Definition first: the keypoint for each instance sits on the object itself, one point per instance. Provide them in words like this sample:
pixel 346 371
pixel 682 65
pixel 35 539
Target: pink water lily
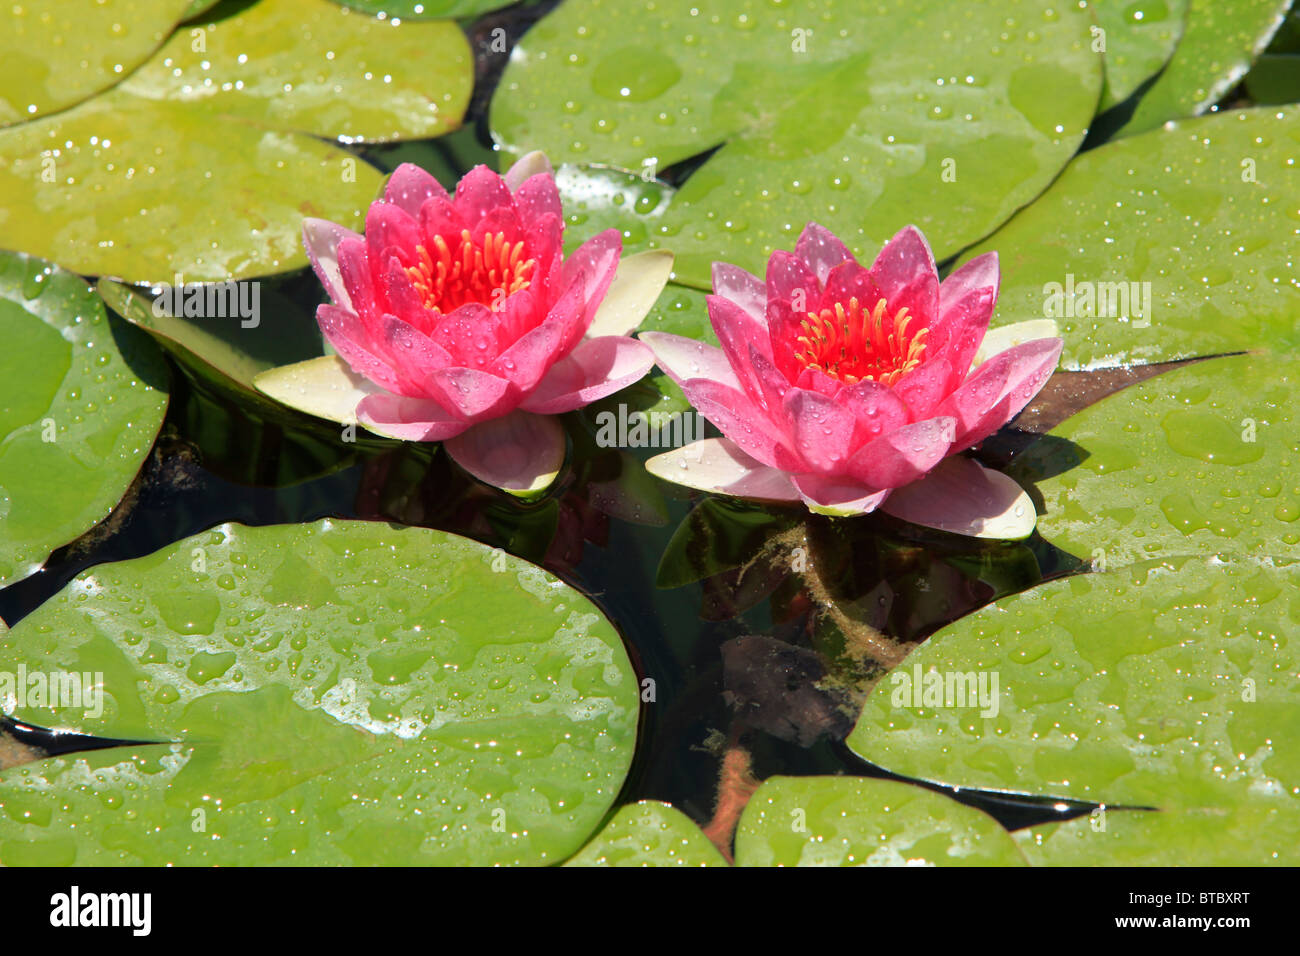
pixel 853 388
pixel 461 320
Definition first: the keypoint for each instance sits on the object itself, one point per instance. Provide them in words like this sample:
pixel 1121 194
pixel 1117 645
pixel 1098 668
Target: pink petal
pixel 821 249
pixel 737 331
pixel 849 280
pixel 471 393
pixel 741 420
pixel 720 466
pixel 823 429
pixel 471 335
pixel 402 297
pixel 746 290
pixel 410 419
pixel 903 455
pixel 440 217
pixel 538 197
pixel 418 354
pixel 837 496
pixel 479 192
pixel 593 264
pixel 388 227
pixel 354 268
pixel 815 380
pixel 519 452
pixel 877 408
pixel 345 332
pixel 772 385
pixel 533 353
pixel 792 292
pixel 684 359
pixel 596 368
pixel 905 273
pixel 966 301
pixel 927 385
pixel 410 187
pixel 997 390
pixel 321 239
pixel 963 497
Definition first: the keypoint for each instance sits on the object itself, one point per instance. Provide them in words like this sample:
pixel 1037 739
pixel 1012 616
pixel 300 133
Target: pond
pixel 769 433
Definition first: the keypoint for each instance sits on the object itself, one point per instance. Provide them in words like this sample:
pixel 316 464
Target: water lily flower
pixel 851 388
pixel 457 318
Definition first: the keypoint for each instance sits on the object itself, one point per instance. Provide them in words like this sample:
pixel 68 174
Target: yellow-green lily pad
pixel 144 191
pixel 336 693
pixel 1245 836
pixel 649 833
pixel 1220 41
pixel 1138 38
pixel 316 67
pixel 81 401
pixel 1176 243
pixel 59 52
pixel 1201 459
pixel 858 821
pixel 948 115
pixel 1171 684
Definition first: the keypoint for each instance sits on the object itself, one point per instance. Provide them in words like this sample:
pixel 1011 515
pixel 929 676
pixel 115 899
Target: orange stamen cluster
pixel 447 278
pixel 853 345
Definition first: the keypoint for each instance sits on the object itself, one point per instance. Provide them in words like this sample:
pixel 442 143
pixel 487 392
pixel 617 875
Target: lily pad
pixel 144 191
pixel 1201 459
pixel 342 692
pixel 856 821
pixel 1202 212
pixel 649 833
pixel 316 67
pixel 1247 836
pixel 59 52
pixel 1140 37
pixel 427 8
pixel 596 198
pixel 1164 684
pixel 681 310
pixel 862 119
pixel 1221 40
pixel 82 403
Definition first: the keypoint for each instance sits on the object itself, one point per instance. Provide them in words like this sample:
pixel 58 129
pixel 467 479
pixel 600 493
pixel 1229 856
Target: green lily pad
pixel 649 833
pixel 1140 37
pixel 862 119
pixel 681 310
pixel 59 52
pixel 147 191
pixel 82 403
pixel 1201 459
pixel 1246 836
pixel 1164 684
pixel 856 821
pixel 428 8
pixel 1202 211
pixel 316 67
pixel 597 198
pixel 342 692
pixel 1220 41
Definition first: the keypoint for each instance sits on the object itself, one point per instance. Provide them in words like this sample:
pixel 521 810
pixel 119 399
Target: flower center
pixel 853 345
pixel 447 277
